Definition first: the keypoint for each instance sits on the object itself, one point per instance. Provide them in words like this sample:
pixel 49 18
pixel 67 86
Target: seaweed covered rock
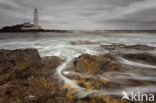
pixel 33 90
pixel 51 62
pixel 26 78
pixel 18 63
pixel 91 64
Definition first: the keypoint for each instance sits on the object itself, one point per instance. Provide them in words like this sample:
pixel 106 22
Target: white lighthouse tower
pixel 35 25
pixel 36 22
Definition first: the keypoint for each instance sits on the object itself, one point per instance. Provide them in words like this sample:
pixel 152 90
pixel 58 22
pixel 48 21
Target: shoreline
pixel 25 31
pixel 70 31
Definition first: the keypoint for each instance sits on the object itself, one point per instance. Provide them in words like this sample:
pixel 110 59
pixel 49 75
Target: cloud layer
pixel 81 14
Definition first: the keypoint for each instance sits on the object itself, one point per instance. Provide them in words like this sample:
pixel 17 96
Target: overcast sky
pixel 81 14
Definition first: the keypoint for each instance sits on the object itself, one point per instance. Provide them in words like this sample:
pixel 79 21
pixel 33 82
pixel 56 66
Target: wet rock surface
pixel 25 77
pixel 105 75
pixel 91 64
pixel 17 64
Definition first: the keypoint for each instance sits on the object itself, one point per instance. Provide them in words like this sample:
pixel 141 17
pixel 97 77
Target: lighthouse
pixel 35 25
pixel 36 22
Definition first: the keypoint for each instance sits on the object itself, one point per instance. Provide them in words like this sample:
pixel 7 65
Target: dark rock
pixel 91 64
pixel 140 47
pixel 115 46
pixel 26 78
pixel 51 62
pixel 17 63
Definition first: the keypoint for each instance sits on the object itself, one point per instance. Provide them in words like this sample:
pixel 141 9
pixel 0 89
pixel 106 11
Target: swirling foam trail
pixel 68 53
pixel 66 80
pixel 124 61
pixel 129 90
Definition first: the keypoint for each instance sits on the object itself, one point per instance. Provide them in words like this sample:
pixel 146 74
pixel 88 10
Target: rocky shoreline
pixel 25 77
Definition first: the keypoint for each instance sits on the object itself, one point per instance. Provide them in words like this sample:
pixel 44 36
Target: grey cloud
pixel 82 14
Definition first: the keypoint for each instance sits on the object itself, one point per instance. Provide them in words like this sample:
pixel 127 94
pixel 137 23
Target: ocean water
pixel 70 45
pixel 59 43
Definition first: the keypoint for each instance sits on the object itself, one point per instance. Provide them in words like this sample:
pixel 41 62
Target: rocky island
pixel 18 28
pixel 28 27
